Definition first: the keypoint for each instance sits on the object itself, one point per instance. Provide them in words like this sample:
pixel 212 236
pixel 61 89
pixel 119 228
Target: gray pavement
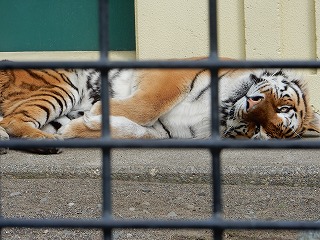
pixel 274 167
pixel 170 184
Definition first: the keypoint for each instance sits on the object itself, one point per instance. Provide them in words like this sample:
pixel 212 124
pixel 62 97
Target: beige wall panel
pixel 317 26
pixel 314 90
pixel 179 28
pixel 247 29
pixel 299 39
pixel 298 29
pixel 171 28
pixel 263 29
pixel 231 39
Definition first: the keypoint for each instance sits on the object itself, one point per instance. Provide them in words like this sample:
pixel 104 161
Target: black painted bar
pixel 217 144
pixel 206 64
pixel 214 144
pixel 108 223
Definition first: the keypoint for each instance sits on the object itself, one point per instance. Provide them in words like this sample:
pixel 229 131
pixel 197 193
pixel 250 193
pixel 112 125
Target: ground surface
pixel 283 185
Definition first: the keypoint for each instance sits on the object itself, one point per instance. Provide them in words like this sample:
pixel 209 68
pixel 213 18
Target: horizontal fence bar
pixel 209 63
pixel 163 224
pixel 167 143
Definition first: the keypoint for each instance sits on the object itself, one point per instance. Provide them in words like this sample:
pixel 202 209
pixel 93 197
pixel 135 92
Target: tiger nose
pixel 252 101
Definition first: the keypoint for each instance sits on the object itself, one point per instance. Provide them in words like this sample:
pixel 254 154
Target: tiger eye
pixel 284 109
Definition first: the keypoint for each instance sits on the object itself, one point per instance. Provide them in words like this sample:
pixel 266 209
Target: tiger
pixel 154 104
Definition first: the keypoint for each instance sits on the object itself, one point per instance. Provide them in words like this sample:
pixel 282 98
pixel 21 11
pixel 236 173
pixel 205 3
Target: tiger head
pixel 267 104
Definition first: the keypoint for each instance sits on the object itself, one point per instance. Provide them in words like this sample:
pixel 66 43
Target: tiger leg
pixel 87 126
pixel 16 125
pixel 158 91
pixel 81 128
pixel 90 125
pixel 3 136
pixel 122 127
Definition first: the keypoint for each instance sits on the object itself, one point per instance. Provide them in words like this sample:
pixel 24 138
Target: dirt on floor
pixel 81 198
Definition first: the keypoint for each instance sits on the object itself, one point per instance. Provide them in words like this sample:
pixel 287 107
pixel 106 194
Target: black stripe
pixel 292 134
pixel 117 74
pixel 297 92
pixel 164 127
pixel 25 113
pixel 33 74
pixel 301 114
pixel 51 75
pixel 220 77
pixel 44 109
pixel 71 96
pixel 68 81
pixel 195 78
pixel 52 105
pixel 46 95
pixel 35 120
pixel 264 91
pixel 202 92
pixel 62 97
pixel 59 102
pixel 192 132
pixel 288 130
pixel 110 82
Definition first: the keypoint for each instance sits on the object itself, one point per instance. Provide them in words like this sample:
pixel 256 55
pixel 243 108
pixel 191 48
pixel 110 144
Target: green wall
pixel 63 25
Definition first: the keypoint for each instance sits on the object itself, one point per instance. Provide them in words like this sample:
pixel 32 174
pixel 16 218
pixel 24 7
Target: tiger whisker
pixel 298 135
pixel 294 131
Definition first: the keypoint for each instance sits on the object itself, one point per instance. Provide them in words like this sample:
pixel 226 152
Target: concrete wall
pixel 248 29
pixel 171 28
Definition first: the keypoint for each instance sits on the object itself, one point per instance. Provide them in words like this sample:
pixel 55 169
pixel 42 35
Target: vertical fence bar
pixel 213 29
pixel 103 29
pixel 214 71
pixel 104 48
pixel 217 195
pixel 106 154
pixel 215 154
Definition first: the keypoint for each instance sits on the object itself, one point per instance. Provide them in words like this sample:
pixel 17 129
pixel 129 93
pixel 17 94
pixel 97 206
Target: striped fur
pixel 153 104
pixel 30 99
pixel 258 104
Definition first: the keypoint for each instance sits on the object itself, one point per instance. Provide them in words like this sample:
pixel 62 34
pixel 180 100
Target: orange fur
pixel 30 99
pixel 159 91
pixel 20 90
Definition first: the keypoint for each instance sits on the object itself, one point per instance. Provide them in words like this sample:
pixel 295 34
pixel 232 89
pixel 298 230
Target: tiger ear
pixel 314 124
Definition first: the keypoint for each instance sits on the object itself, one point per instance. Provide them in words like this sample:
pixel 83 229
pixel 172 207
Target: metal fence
pixel 107 223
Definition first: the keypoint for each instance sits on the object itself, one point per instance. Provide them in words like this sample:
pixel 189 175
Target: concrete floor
pixel 257 184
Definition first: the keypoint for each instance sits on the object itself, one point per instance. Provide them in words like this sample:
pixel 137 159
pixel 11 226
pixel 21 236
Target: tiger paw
pixel 52 150
pixel 3 136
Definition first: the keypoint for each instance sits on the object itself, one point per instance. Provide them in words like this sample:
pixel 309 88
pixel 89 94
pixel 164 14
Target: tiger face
pixel 273 104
